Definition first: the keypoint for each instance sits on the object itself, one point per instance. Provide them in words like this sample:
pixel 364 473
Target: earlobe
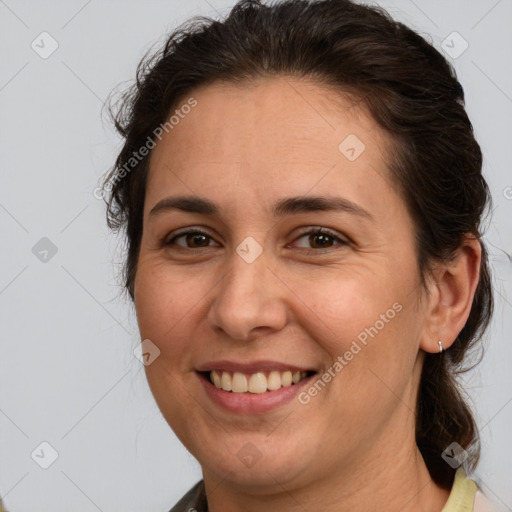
pixel 451 296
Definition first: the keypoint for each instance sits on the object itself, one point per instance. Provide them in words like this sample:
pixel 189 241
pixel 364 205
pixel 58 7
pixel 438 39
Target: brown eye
pixel 321 238
pixel 196 240
pixel 190 240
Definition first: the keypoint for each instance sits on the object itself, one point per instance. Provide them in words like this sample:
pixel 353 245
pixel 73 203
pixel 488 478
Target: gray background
pixel 67 370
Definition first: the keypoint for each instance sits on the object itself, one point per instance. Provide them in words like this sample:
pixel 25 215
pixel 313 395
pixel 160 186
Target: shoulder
pixel 193 501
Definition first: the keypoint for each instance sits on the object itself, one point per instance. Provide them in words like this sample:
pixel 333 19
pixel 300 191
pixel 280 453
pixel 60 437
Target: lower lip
pixel 251 403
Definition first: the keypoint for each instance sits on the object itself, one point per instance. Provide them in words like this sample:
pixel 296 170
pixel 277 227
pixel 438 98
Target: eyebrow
pixel 286 206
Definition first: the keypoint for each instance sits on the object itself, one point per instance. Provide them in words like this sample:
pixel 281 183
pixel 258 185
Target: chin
pixel 255 462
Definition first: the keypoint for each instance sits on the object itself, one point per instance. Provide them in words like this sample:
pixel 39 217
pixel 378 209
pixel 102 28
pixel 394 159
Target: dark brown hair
pixel 410 90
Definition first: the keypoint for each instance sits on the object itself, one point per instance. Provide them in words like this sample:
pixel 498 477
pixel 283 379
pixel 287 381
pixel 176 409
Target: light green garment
pixel 462 495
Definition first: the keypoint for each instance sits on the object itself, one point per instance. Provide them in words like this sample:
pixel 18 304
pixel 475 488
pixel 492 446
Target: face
pixel 293 252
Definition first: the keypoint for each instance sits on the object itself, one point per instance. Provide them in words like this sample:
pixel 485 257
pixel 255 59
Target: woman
pixel 302 196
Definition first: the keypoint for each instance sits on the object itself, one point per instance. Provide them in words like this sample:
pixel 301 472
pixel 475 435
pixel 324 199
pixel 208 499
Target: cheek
pixel 371 336
pixel 163 299
pixel 346 303
pixel 165 306
pixel 370 321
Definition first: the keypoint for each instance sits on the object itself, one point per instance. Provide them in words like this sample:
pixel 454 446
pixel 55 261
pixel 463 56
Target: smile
pixel 259 382
pixel 257 386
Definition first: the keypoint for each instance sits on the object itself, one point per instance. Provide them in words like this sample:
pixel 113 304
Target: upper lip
pixel 253 367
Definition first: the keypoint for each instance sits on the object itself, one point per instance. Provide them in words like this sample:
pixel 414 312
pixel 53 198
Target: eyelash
pixel 315 230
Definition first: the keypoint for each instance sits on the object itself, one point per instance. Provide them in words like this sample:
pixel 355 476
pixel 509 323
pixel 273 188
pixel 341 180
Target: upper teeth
pixel 259 382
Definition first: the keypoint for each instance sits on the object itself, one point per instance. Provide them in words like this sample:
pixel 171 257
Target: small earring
pixel 440 346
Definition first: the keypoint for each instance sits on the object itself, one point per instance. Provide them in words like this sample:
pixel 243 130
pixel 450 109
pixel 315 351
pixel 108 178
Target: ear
pixel 451 291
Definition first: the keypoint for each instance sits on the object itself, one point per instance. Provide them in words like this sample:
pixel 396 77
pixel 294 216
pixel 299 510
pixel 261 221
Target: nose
pixel 249 301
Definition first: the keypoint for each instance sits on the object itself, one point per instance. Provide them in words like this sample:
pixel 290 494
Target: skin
pixel 352 446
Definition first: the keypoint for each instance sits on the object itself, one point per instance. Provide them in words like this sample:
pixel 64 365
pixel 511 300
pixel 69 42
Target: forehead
pixel 271 135
pixel 231 119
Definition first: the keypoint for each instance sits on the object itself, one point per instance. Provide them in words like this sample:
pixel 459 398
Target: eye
pixel 193 239
pixel 321 238
pixel 316 238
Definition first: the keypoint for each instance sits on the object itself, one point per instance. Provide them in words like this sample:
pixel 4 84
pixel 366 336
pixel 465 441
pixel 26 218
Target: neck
pixel 405 487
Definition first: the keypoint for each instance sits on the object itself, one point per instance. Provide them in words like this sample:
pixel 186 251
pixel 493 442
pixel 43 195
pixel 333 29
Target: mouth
pixel 257 382
pixel 253 387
